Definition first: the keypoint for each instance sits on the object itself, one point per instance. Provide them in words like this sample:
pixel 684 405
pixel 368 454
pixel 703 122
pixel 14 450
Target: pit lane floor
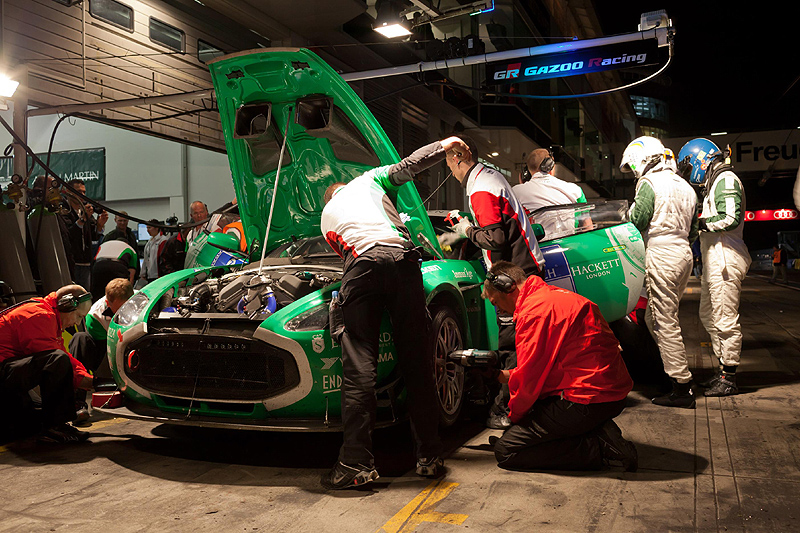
pixel 733 464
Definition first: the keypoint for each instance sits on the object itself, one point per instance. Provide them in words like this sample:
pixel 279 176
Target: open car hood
pixel 332 136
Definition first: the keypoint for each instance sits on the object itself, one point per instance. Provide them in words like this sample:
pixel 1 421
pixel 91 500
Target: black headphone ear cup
pixel 547 164
pixel 526 175
pixel 501 282
pixel 67 303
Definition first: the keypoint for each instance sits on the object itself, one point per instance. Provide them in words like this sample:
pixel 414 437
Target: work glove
pixel 461 228
pixel 448 239
pixel 456 234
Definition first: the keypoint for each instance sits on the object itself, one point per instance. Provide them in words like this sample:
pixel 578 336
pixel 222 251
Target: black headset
pixel 547 163
pixel 70 302
pixel 545 166
pixel 502 282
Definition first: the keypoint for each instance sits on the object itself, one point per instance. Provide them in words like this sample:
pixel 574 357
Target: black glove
pixel 701 224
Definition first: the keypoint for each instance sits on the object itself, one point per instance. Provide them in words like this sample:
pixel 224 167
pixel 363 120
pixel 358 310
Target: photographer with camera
pixel 84 229
pixel 569 383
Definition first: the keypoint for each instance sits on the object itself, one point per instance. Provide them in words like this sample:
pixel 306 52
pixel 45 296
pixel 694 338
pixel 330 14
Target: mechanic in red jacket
pixel 32 353
pixel 569 383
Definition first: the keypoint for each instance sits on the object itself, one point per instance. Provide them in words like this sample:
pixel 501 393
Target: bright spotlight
pixel 7 86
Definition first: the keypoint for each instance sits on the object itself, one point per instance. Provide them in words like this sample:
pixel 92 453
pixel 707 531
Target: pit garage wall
pixel 144 174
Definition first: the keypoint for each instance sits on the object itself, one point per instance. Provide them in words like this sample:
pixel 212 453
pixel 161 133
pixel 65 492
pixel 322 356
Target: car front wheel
pixel 449 376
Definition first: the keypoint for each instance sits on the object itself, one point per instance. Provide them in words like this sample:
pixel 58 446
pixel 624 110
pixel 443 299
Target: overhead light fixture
pixel 494 154
pixel 7 86
pixel 390 31
pixel 719 133
pixel 389 22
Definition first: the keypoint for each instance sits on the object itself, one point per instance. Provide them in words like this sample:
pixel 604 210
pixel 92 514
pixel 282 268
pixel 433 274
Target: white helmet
pixel 641 155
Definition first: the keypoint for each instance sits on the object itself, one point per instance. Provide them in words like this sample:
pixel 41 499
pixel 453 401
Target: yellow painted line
pixel 103 423
pixel 420 510
pixel 705 344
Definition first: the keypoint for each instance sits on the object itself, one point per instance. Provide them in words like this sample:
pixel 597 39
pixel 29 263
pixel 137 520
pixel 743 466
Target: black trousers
pixel 52 372
pixel 104 271
pixel 89 352
pixel 556 434
pixel 382 279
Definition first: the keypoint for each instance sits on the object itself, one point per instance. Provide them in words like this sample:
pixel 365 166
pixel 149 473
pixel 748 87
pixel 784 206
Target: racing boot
pixel 682 395
pixel 707 384
pixel 615 449
pixel 344 476
pixel 81 414
pixel 724 386
pixel 433 467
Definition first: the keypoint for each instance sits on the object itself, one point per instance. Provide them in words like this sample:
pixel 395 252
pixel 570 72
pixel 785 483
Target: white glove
pixel 448 239
pixel 460 229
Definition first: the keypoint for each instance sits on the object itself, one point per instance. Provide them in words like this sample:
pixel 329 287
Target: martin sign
pixel 558 65
pixel 88 166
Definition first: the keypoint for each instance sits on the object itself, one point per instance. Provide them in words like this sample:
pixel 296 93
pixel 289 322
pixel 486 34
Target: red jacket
pixel 564 348
pixel 34 327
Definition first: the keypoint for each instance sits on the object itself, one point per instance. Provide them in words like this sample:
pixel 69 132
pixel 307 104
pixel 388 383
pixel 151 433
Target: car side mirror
pixel 223 241
pixel 538 231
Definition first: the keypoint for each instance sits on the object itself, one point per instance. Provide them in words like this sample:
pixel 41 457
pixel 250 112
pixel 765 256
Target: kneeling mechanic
pixel 569 383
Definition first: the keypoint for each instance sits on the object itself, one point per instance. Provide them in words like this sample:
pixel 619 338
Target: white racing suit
pixel 544 190
pixel 665 212
pixel 725 262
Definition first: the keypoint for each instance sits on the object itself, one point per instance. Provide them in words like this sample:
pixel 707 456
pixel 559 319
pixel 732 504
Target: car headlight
pixel 132 309
pixel 314 319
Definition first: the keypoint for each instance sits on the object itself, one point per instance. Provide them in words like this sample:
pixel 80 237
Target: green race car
pixel 248 345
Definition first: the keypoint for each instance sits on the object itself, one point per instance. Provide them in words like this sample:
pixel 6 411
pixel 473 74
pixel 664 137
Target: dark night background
pixel 734 69
pixel 735 66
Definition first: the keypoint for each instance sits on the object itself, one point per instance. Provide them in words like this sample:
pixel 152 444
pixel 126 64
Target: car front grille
pixel 210 367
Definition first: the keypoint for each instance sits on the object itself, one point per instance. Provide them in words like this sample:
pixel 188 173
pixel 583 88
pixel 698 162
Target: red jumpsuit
pixel 32 354
pixel 35 327
pixel 570 379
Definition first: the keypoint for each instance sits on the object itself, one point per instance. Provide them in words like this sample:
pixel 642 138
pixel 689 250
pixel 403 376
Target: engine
pixel 251 293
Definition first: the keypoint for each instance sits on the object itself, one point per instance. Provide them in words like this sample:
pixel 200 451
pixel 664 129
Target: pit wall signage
pixel 754 152
pixel 562 64
pixel 764 215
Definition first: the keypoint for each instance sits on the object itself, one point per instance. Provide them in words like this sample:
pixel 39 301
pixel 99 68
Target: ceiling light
pixel 720 133
pixel 391 30
pixel 388 21
pixel 7 86
pixel 494 154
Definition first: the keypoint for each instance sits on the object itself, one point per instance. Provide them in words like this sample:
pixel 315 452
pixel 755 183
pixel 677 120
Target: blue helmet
pixel 694 159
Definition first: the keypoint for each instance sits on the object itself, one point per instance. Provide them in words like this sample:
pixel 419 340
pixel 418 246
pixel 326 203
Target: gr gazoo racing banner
pixel 561 64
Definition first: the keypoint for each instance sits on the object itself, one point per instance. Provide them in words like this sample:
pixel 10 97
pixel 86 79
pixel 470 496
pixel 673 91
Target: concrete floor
pixel 733 464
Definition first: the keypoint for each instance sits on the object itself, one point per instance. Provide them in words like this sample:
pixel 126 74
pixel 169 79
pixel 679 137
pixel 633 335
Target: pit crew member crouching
pixel 569 383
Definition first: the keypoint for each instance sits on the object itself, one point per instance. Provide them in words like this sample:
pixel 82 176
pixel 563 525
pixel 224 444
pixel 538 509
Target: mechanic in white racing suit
pixel 665 212
pixel 540 188
pixel 725 256
pixel 381 271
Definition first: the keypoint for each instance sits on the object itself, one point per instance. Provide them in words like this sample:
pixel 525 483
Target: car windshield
pixel 572 219
pixel 305 247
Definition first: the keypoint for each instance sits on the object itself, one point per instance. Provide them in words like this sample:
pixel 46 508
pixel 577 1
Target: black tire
pixel 447 336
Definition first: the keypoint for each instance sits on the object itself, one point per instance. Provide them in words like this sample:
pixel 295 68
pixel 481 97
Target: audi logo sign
pixel 771 215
